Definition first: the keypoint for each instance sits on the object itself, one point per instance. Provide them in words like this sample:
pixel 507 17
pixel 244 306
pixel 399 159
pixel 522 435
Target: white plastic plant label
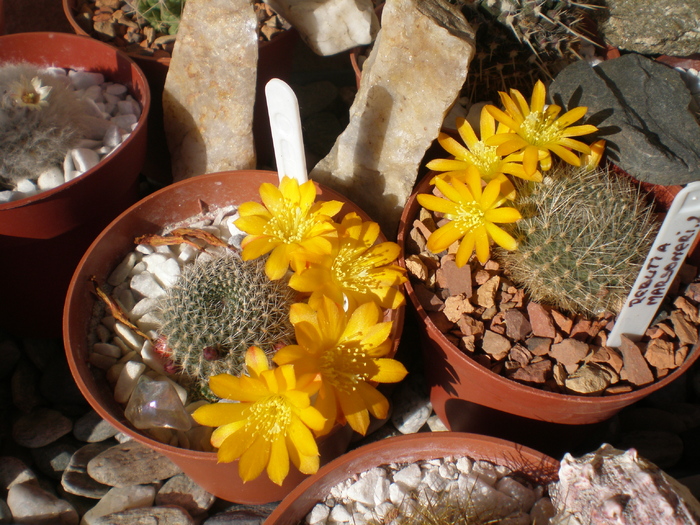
pixel 675 237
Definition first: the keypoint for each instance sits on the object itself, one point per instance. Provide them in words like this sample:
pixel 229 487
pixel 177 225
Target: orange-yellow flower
pixel 478 153
pixel 472 214
pixel 356 270
pixel 537 131
pixel 344 351
pixel 269 425
pixel 288 219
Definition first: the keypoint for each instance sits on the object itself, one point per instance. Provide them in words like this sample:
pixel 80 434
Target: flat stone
pixel 541 321
pixel 170 514
pixel 517 325
pixel 671 27
pixel 212 133
pixel 91 428
pixel 29 503
pixel 660 354
pixel 639 105
pixel 411 405
pixel 457 280
pixel 375 161
pixel 119 499
pixel 539 345
pixel 182 492
pixel 569 352
pixel 486 293
pixel 76 480
pixel 130 463
pixel 54 458
pixel 608 356
pixel 496 345
pixel 687 333
pixel 25 386
pixel 537 372
pixel 635 370
pixel 242 515
pixel 427 298
pixel 588 379
pixel 40 427
pixel 13 471
pixel 455 307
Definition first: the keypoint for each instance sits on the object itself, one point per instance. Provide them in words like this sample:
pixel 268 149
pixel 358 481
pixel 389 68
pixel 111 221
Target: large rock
pixel 641 109
pixel 411 78
pixel 332 26
pixel 210 88
pixel 670 27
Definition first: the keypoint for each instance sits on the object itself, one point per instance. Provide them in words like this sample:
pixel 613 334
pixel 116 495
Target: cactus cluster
pixel 38 125
pixel 162 15
pixel 582 241
pixel 218 308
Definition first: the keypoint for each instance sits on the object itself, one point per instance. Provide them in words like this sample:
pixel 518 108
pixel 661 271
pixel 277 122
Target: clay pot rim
pixel 130 430
pixel 405 223
pixel 144 100
pixel 409 448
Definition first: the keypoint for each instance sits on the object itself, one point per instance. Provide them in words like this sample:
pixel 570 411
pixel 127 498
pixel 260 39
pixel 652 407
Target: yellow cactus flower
pixel 355 270
pixel 344 351
pixel 270 424
pixel 478 153
pixel 537 131
pixel 287 220
pixel 472 214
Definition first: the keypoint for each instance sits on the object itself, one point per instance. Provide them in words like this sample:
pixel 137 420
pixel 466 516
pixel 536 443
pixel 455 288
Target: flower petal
pixel 354 410
pixel 443 237
pixel 465 250
pixel 302 438
pixel 453 147
pixel 530 160
pixel 256 360
pixel 466 132
pixel 503 215
pixel 481 242
pixel 572 116
pixel 254 247
pixel 271 197
pixel 431 202
pixel 221 434
pixel 374 400
pixel 254 460
pixel 539 94
pixel 278 465
pixel 233 445
pixel 220 414
pixel 447 165
pixel 390 371
pixel 234 388
pixel 565 154
pixel 500 237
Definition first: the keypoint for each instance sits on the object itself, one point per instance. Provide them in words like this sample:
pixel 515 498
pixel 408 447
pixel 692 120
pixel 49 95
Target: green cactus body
pixel 162 15
pixel 582 240
pixel 218 308
pixel 32 140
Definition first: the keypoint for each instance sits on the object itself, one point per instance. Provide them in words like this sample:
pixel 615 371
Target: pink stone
pixel 635 370
pixel 541 321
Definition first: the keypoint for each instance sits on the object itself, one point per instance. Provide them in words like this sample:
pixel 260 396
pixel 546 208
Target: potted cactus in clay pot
pixel 73 139
pixel 522 326
pixel 247 320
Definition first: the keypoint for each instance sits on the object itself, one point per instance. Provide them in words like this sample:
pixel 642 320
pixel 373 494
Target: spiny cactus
pixel 41 119
pixel 218 308
pixel 162 15
pixel 582 241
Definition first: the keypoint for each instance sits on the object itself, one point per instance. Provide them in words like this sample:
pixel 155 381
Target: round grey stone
pixel 25 387
pixel 171 515
pixel 242 515
pixel 5 514
pixel 91 428
pixel 40 427
pixel 13 470
pixel 76 480
pixel 53 459
pixel 181 491
pixel 131 463
pixel 29 503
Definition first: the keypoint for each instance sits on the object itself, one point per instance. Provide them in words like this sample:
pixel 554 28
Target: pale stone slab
pixel 411 78
pixel 330 26
pixel 210 88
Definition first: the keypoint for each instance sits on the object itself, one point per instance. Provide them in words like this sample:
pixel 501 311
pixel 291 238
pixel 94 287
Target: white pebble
pixel 187 253
pixel 486 472
pixel 149 321
pixel 125 298
pixel 146 285
pixel 25 186
pixel 167 273
pixel 120 343
pixel 50 178
pixel 112 374
pixel 141 308
pixel 101 361
pixel 127 381
pixel 124 121
pixel 85 79
pixel 6 196
pixel 409 476
pixel 84 159
pixel 121 272
pixel 68 166
pixel 72 175
pixel 112 137
pixel 151 357
pixel 116 89
pixel 103 333
pixel 372 488
pixel 131 338
pixel 107 349
pixel 145 249
pixel 339 514
pixel 88 143
pixel 318 514
pixel 124 107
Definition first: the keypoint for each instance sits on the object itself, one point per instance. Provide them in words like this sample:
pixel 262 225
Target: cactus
pixel 582 241
pixel 218 308
pixel 162 15
pixel 33 136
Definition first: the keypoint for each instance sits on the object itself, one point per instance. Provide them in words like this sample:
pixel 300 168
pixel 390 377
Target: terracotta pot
pixel 274 61
pixel 407 449
pixel 462 391
pixel 47 233
pixel 172 204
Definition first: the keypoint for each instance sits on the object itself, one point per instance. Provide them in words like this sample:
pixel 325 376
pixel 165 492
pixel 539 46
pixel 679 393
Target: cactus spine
pixel 219 307
pixel 162 15
pixel 582 241
pixel 34 139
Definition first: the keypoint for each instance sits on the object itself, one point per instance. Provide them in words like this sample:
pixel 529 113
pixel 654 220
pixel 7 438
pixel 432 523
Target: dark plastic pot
pixel 172 204
pixel 469 397
pixel 410 448
pixel 42 237
pixel 274 61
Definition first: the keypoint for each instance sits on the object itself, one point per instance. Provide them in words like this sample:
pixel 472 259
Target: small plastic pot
pixel 42 237
pixel 172 204
pixel 469 397
pixel 410 448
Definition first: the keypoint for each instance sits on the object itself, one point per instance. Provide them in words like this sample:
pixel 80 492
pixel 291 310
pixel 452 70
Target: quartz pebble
pixel 105 131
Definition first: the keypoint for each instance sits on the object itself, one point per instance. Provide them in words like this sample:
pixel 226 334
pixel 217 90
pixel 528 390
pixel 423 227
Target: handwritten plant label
pixel 675 237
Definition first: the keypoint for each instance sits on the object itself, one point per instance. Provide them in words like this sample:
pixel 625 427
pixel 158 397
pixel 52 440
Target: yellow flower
pixel 355 270
pixel 537 131
pixel 472 214
pixel 30 94
pixel 286 221
pixel 344 351
pixel 478 153
pixel 270 425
